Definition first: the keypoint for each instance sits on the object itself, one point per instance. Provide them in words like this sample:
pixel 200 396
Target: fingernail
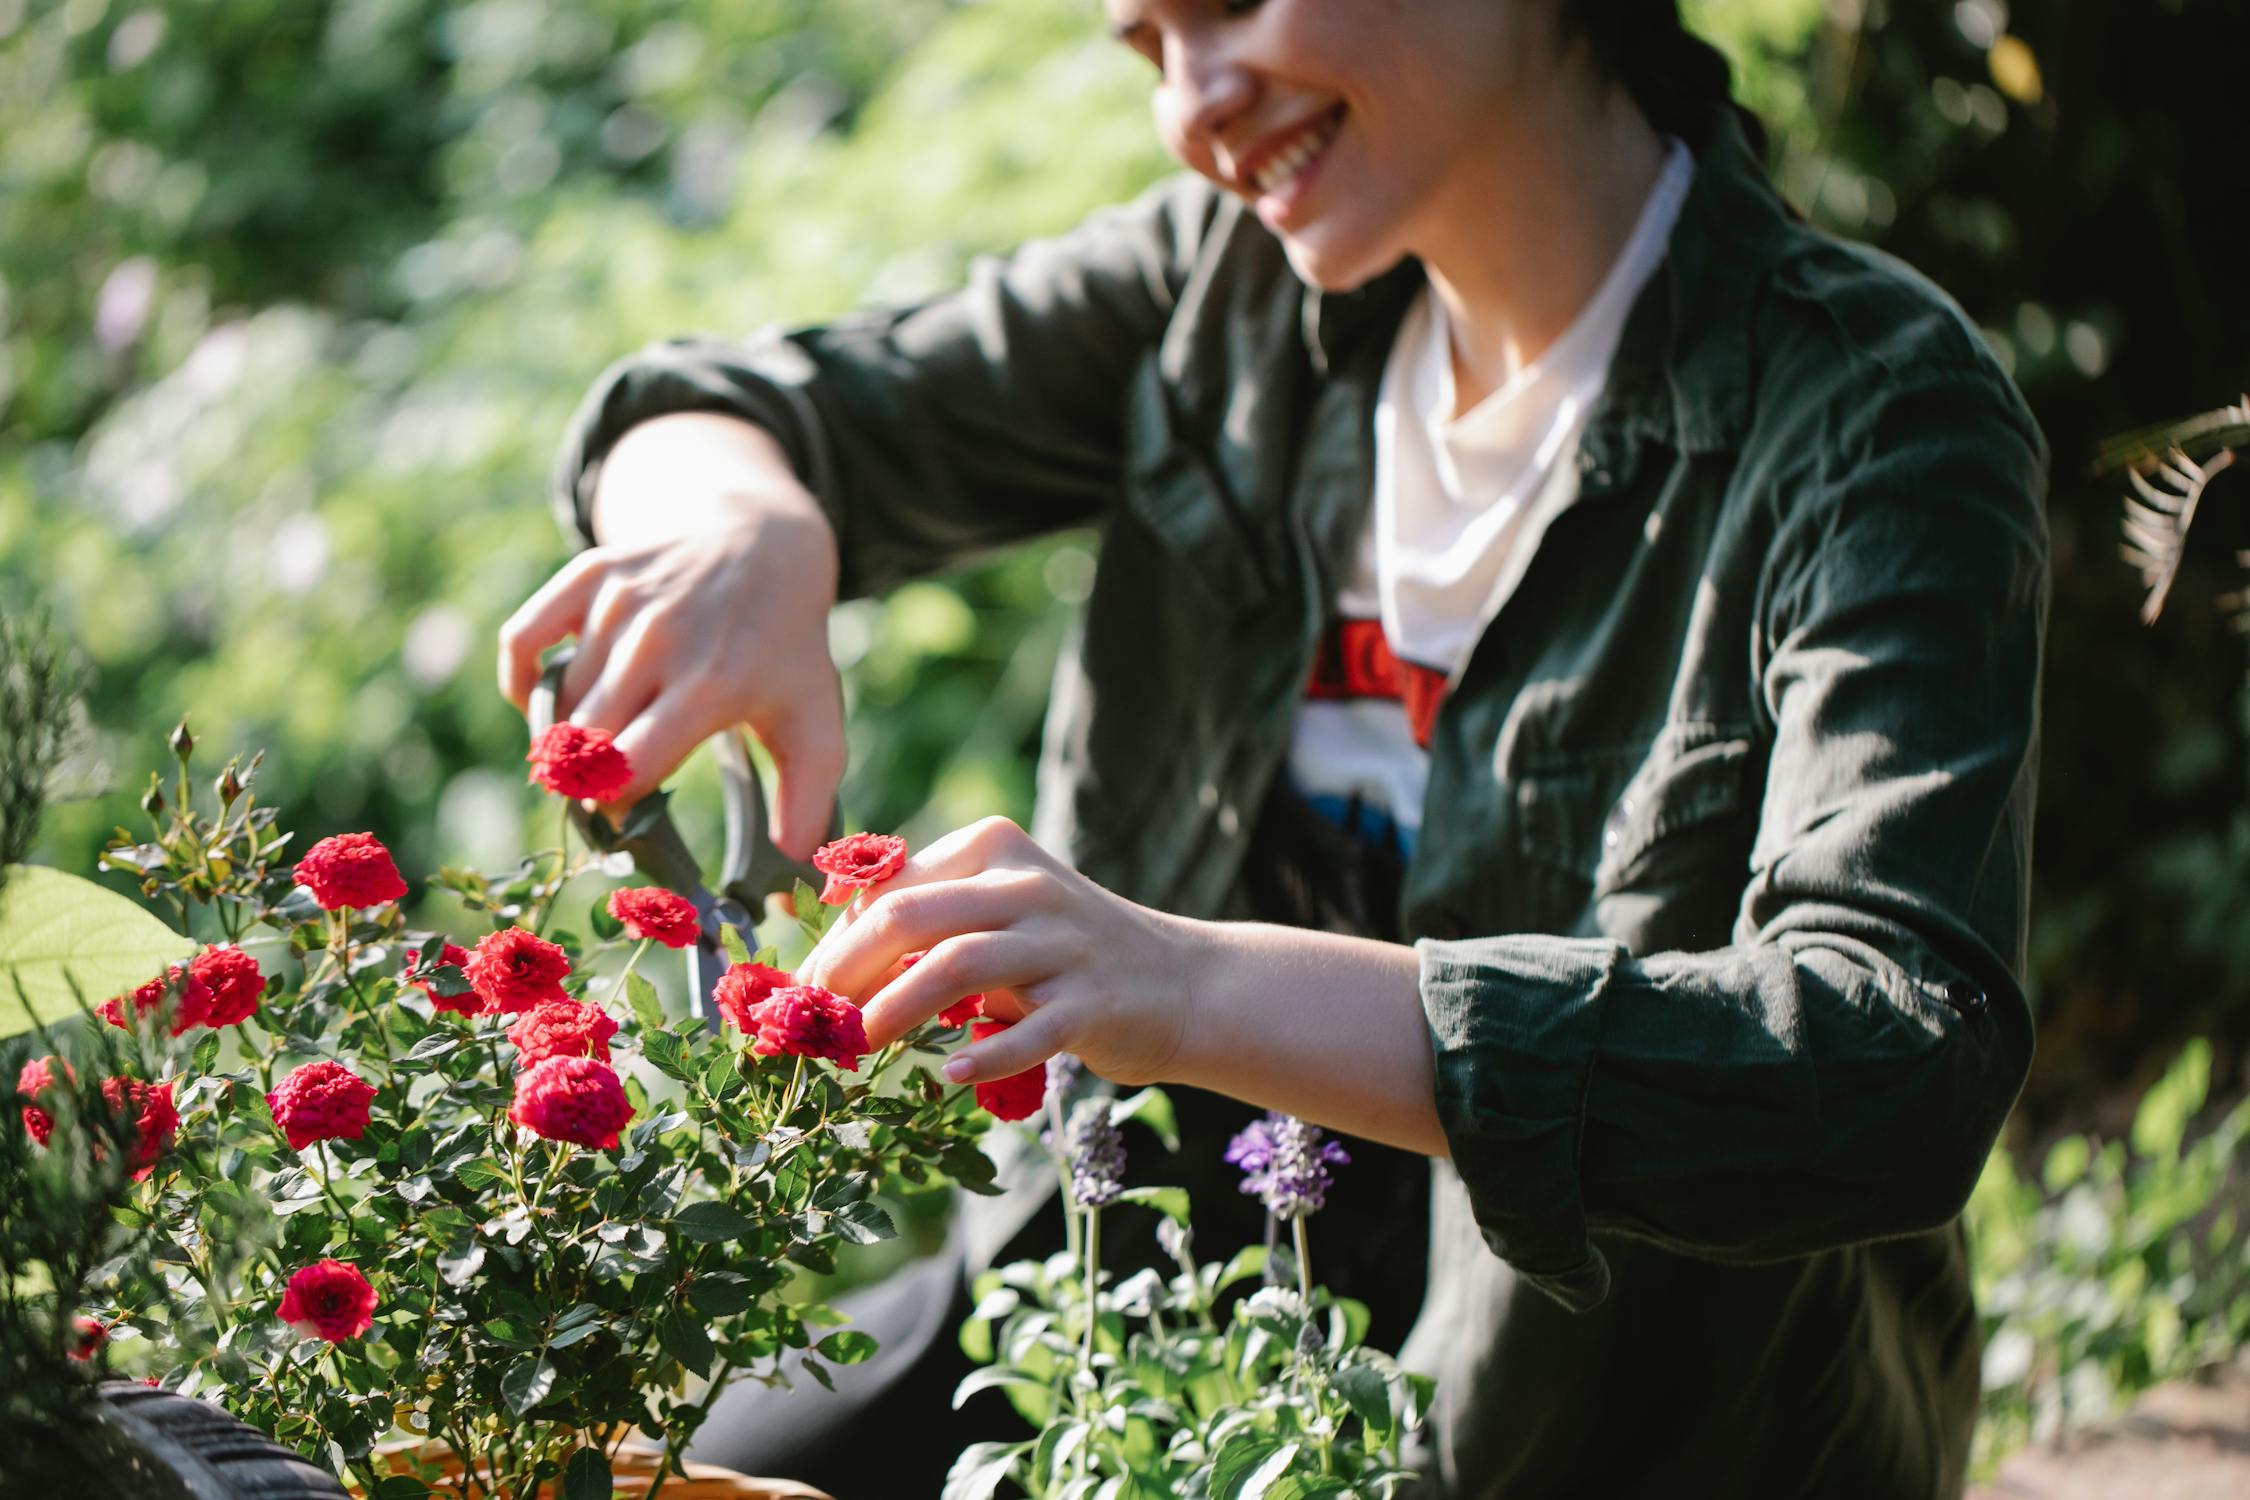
pixel 959 1068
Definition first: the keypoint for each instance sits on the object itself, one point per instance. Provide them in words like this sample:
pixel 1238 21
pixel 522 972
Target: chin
pixel 1324 262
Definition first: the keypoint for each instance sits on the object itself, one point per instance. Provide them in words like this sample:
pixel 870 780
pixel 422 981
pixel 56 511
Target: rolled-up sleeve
pixel 1840 1071
pixel 934 432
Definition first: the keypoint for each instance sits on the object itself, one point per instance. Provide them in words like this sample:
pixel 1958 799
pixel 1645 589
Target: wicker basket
pixel 631 1469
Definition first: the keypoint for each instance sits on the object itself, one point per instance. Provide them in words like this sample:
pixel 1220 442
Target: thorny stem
pixel 1093 1285
pixel 672 1448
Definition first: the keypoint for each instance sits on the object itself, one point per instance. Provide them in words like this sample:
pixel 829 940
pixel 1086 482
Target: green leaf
pixel 716 1297
pixel 606 927
pixel 684 1338
pixel 460 1264
pixel 586 1476
pixel 1153 1108
pixel 527 1383
pixel 1170 1201
pixel 993 1377
pixel 647 1009
pixel 2165 1111
pixel 712 1222
pixel 864 1222
pixel 1368 1394
pixel 846 1348
pixel 738 952
pixel 56 928
pixel 979 1470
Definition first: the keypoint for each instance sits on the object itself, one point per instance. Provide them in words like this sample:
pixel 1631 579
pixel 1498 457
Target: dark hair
pixel 1680 81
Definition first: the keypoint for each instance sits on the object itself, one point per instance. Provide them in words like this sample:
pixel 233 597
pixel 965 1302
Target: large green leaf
pixel 56 929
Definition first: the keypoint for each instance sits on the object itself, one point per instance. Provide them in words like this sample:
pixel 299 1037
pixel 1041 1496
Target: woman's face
pixel 1352 127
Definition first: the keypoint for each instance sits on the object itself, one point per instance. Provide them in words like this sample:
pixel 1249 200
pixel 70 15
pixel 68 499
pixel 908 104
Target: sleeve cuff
pixel 1513 1025
pixel 761 381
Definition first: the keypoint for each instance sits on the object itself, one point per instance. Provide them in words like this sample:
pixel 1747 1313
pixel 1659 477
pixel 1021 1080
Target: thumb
pixel 808 765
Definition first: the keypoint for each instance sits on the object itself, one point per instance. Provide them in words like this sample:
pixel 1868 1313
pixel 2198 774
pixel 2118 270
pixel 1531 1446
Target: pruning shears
pixel 751 870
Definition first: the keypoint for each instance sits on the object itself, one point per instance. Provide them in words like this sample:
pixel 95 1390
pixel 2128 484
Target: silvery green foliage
pixel 1201 1382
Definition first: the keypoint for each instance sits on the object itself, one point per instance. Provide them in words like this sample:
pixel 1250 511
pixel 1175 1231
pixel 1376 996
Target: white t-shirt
pixel 1460 503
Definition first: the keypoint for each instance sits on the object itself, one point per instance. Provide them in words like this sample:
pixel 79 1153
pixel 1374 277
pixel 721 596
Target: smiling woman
pixel 1557 699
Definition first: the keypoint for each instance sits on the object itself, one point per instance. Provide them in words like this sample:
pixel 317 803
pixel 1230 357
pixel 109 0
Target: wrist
pixel 696 473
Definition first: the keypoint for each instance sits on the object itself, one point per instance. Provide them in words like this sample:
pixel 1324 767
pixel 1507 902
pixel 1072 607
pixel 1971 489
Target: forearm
pixel 691 473
pixel 1313 1024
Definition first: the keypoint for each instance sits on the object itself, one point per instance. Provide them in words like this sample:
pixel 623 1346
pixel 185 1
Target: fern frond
pixel 2198 437
pixel 2157 521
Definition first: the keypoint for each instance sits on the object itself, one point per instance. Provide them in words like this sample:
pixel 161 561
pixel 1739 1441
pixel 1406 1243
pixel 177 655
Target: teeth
pixel 1292 158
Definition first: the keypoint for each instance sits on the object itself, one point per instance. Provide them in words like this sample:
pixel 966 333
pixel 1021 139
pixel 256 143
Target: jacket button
pixel 1230 821
pixel 1965 998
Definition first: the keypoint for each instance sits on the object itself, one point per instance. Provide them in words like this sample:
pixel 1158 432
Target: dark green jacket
pixel 1720 889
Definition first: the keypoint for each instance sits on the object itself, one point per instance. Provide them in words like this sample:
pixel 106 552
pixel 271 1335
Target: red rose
pixel 455 957
pixel 860 859
pixel 37 1077
pixel 650 911
pixel 743 988
pixel 574 1099
pixel 962 1011
pixel 573 761
pixel 514 969
pixel 88 1338
pixel 329 1300
pixel 1017 1096
pixel 350 869
pixel 194 1004
pixel 236 984
pixel 804 1020
pixel 321 1101
pixel 561 1028
pixel 154 1118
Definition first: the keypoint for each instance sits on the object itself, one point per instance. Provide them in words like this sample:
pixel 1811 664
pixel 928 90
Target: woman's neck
pixel 1528 235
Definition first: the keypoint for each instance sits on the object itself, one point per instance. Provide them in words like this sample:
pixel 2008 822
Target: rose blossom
pixel 571 760
pixel 514 969
pixel 561 1028
pixel 804 1020
pixel 349 870
pixel 87 1338
pixel 37 1077
pixel 153 1116
pixel 467 1003
pixel 235 981
pixel 194 1004
pixel 1017 1096
pixel 330 1300
pixel 650 911
pixel 573 1099
pixel 743 988
pixel 321 1101
pixel 860 859
pixel 962 1011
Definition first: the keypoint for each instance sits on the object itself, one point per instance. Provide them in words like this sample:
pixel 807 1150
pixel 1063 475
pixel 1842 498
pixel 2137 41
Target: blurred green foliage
pixel 295 296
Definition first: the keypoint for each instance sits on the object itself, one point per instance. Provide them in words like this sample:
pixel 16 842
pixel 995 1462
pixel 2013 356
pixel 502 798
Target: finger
pixel 808 764
pixel 1023 1046
pixel 856 954
pixel 965 965
pixel 599 639
pixel 555 611
pixel 657 739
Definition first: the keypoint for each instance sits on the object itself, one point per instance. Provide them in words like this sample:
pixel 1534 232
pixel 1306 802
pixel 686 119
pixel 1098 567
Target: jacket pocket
pixel 1646 843
pixel 1174 491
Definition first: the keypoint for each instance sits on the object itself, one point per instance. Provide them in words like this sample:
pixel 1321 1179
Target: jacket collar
pixel 1681 374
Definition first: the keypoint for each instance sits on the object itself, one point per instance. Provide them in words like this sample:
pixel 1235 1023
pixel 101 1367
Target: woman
pixel 1477 440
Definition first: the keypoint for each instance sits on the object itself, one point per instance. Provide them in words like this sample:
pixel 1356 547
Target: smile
pixel 1286 164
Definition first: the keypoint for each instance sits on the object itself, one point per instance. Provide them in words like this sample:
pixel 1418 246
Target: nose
pixel 1204 88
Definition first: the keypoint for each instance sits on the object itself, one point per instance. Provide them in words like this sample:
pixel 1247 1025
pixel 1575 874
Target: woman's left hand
pixel 1078 969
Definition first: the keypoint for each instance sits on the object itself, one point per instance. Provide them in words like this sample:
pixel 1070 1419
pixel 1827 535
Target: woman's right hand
pixel 706 607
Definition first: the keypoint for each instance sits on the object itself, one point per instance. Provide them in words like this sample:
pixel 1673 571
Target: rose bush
pixel 490 1193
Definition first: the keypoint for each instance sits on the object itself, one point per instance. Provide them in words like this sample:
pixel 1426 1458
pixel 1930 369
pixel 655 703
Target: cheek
pixel 1171 131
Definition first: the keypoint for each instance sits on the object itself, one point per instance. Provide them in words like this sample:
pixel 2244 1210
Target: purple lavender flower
pixel 1097 1155
pixel 1285 1162
pixel 1063 1070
